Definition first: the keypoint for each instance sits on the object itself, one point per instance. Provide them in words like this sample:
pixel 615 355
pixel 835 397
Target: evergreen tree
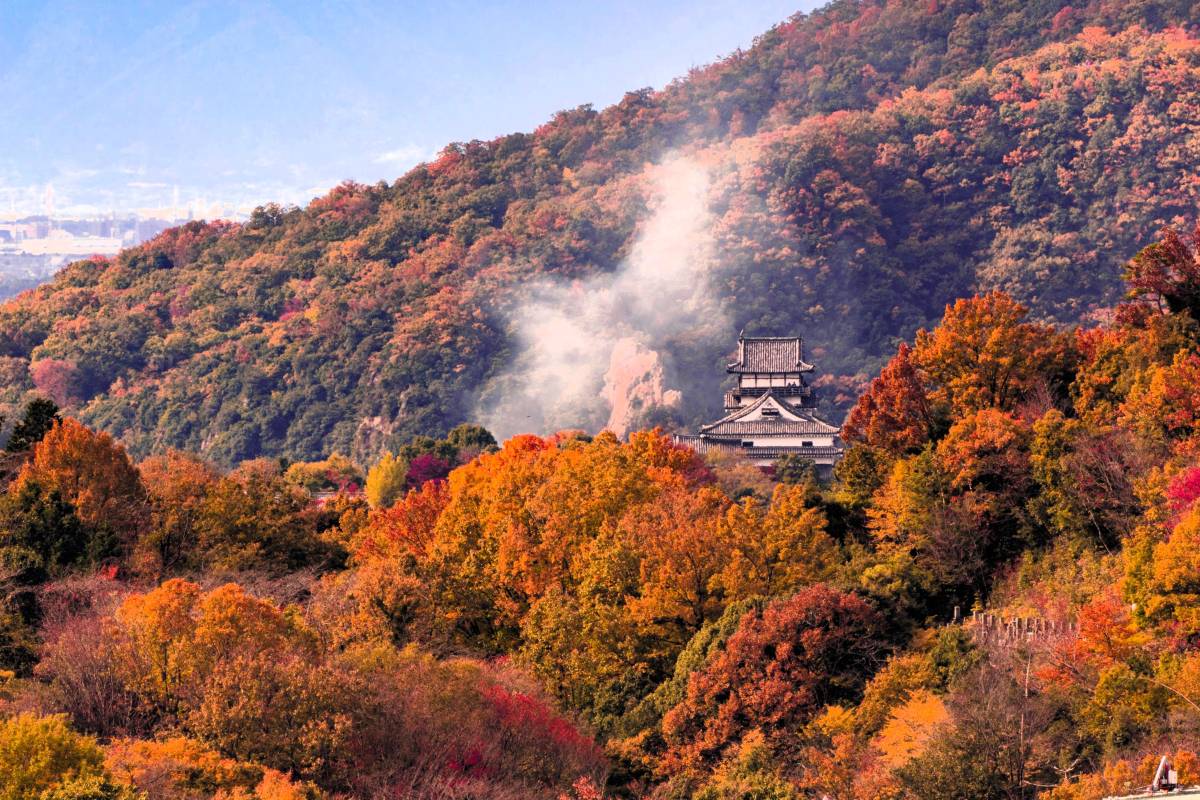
pixel 40 416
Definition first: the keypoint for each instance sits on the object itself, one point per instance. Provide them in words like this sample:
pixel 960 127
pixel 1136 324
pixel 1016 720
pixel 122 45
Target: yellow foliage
pixel 1175 585
pixel 386 481
pixel 777 551
pixel 40 753
pixel 900 679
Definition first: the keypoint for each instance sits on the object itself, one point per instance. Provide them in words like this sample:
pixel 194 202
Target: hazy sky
pixel 122 104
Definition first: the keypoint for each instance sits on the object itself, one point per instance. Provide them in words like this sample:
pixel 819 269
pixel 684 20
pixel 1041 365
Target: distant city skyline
pixel 211 107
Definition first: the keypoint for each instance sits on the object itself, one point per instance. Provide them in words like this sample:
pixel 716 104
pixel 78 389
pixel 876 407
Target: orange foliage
pixel 183 769
pixel 989 449
pixel 984 355
pixel 93 473
pixel 910 728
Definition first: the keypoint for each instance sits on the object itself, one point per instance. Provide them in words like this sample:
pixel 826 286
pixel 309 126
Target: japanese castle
pixel 769 414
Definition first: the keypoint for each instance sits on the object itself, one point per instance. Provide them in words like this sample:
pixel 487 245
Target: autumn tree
pixel 680 553
pixel 1167 273
pixel 425 468
pixel 776 550
pixel 984 355
pixel 1118 360
pixel 178 485
pixel 1084 478
pixel 254 517
pixel 1175 586
pixel 1000 741
pixel 335 473
pixel 174 766
pixel 1165 407
pixel 386 481
pixel 91 472
pixel 986 458
pixel 894 414
pixel 779 668
pixel 43 757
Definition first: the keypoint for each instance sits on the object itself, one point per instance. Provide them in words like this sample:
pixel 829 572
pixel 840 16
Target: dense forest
pixel 867 164
pixel 584 618
pixel 256 545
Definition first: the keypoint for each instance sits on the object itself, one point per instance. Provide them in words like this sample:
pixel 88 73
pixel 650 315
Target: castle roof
pixel 791 420
pixel 770 355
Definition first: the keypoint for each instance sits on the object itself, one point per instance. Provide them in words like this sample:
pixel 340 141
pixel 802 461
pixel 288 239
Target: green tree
pixel 38 522
pixel 39 417
pixel 471 439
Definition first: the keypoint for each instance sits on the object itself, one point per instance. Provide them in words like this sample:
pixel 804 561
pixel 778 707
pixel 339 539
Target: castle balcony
pixel 792 394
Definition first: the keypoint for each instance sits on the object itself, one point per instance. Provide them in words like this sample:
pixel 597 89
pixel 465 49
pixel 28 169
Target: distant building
pixel 769 413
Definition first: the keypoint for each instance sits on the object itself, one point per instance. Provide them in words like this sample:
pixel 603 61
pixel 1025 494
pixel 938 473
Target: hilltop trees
pixel 872 163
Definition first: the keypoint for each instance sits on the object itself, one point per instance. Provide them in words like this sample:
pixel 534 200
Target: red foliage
pixel 56 378
pixel 1168 272
pixel 427 467
pixel 525 718
pixel 1184 490
pixel 407 527
pixel 893 414
pixel 778 669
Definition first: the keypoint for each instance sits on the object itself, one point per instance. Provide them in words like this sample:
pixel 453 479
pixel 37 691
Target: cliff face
pixel 634 384
pixel 863 166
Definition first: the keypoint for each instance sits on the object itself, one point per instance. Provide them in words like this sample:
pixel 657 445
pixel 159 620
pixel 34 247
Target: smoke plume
pixel 593 354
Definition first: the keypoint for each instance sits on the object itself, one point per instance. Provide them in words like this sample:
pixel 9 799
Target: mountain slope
pixel 866 164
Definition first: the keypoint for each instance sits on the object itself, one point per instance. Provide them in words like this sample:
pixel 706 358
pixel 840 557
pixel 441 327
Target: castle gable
pixel 768 415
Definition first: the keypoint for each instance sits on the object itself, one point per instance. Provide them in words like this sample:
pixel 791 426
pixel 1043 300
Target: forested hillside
pixel 865 165
pixel 579 618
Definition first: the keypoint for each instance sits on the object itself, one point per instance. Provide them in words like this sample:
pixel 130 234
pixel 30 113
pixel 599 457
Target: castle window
pixel 747 444
pixel 770 412
pixel 806 444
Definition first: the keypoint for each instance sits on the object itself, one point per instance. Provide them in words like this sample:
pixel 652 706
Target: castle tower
pixel 769 413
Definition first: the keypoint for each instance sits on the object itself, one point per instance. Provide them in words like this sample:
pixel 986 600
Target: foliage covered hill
pixel 870 163
pixel 584 618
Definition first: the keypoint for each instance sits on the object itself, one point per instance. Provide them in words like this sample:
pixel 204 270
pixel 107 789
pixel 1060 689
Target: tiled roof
pixel 794 420
pixel 784 354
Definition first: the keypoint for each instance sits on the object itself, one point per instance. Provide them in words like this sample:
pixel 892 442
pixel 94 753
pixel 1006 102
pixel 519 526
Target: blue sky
pixel 128 105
